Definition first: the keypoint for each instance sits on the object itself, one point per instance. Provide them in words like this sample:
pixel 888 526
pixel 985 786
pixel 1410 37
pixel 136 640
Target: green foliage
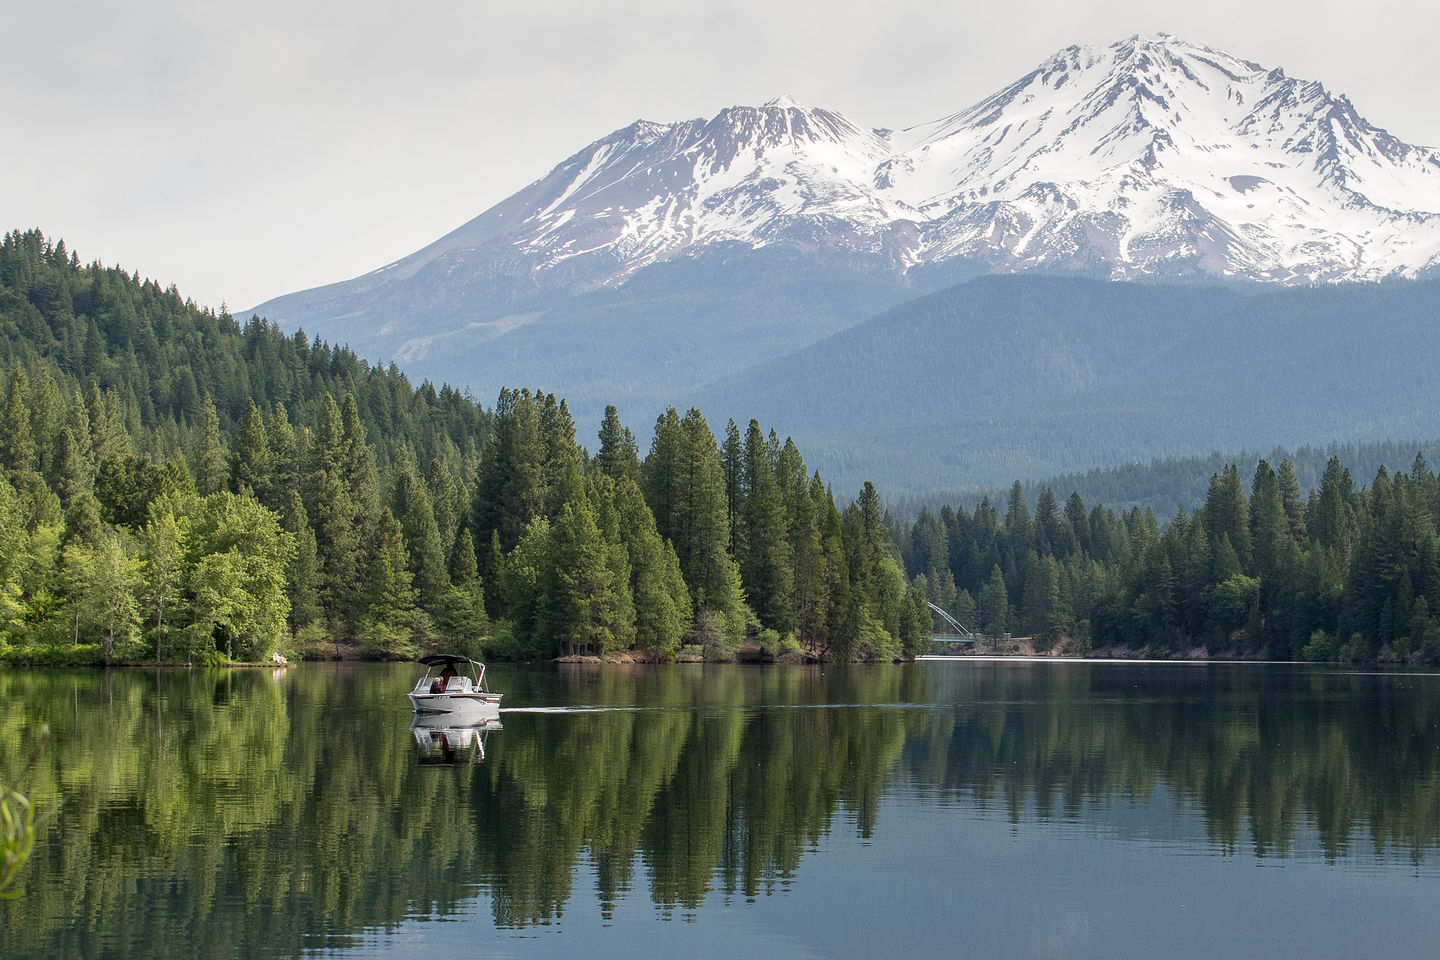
pixel 1347 574
pixel 353 503
pixel 238 553
pixel 115 393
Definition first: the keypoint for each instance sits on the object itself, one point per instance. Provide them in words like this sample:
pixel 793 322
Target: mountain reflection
pixel 245 813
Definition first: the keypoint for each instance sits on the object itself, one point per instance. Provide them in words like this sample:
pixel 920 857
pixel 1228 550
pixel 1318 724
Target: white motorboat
pixel 454 686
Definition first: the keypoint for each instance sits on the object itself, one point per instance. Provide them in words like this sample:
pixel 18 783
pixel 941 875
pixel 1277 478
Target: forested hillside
pixel 1342 573
pixel 1034 376
pixel 1167 484
pixel 179 486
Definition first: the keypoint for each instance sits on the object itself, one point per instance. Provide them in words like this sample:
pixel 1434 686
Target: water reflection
pixel 440 740
pixel 259 814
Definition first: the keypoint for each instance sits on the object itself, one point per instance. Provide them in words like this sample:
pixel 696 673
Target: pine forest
pixel 178 486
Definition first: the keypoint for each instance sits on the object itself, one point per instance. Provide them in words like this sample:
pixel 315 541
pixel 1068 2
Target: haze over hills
pixel 660 261
pixel 1029 377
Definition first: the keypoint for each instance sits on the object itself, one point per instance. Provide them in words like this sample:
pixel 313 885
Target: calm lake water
pixel 944 808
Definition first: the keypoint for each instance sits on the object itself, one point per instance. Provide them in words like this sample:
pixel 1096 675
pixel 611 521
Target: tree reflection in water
pixel 245 813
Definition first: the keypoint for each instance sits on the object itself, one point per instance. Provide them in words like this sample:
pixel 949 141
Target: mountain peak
pixel 785 102
pixel 1150 158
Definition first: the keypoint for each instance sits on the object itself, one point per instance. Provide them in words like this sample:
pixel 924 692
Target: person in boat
pixel 437 685
pixel 443 681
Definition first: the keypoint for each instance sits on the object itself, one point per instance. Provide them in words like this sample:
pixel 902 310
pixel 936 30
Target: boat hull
pixel 461 706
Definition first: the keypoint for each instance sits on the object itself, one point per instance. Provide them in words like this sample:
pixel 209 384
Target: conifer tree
pixel 304 570
pixel 1291 500
pixel 732 461
pixel 77 466
pixel 335 518
pixel 768 570
pixel 286 467
pixel 47 425
pixel 661 599
pixel 107 431
pixel 461 616
pixel 1227 513
pixel 586 599
pixel 994 604
pixel 252 464
pixel 207 456
pixel 392 622
pixel 17 446
pixel 362 479
pixel 619 457
pixel 411 506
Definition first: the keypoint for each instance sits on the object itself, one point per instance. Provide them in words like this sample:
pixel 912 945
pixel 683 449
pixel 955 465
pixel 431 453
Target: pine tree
pixel 732 462
pixel 1291 500
pixel 1227 514
pixel 362 479
pixel 712 575
pixel 411 505
pixel 286 465
pixel 47 426
pixel 994 604
pixel 17 446
pixel 207 457
pixel 661 600
pixel 511 491
pixel 252 464
pixel 461 617
pixel 586 599
pixel 392 620
pixel 77 461
pixel 335 518
pixel 304 570
pixel 768 571
pixel 1269 525
pixel 619 457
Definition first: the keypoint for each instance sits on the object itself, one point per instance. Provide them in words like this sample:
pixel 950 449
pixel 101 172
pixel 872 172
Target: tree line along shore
pixel 176 486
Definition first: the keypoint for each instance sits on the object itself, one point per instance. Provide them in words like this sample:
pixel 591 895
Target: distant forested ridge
pixel 1167 484
pixel 1032 376
pixel 175 485
pixel 1341 573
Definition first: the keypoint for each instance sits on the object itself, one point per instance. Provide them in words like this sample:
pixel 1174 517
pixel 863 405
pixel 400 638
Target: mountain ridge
pixel 656 262
pixel 765 174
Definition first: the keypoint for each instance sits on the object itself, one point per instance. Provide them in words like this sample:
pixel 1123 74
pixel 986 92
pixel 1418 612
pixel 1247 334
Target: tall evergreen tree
pixel 17 446
pixel 393 622
pixel 768 568
pixel 619 457
pixel 252 464
pixel 207 455
pixel 410 503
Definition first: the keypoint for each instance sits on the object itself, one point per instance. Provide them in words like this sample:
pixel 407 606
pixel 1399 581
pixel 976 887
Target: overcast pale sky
pixel 242 151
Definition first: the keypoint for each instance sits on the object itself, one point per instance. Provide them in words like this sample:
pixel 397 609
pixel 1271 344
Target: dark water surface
pixel 944 808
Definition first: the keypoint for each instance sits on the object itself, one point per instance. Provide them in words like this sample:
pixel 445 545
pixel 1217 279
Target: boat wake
pixel 587 709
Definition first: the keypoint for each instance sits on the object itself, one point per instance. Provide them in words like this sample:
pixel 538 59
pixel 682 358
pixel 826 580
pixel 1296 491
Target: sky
pixel 247 150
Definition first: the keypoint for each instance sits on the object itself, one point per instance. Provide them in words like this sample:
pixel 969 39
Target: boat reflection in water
pixel 442 740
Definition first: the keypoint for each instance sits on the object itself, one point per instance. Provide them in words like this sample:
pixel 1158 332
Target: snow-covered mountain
pixel 1155 157
pixel 664 256
pixel 1148 158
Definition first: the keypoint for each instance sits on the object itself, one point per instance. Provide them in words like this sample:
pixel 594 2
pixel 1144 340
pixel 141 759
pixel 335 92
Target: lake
pixel 976 808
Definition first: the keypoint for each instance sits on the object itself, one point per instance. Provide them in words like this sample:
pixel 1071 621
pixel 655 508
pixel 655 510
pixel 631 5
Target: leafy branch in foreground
pixel 17 825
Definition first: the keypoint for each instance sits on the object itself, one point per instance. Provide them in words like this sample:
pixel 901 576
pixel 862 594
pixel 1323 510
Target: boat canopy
pixel 443 659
